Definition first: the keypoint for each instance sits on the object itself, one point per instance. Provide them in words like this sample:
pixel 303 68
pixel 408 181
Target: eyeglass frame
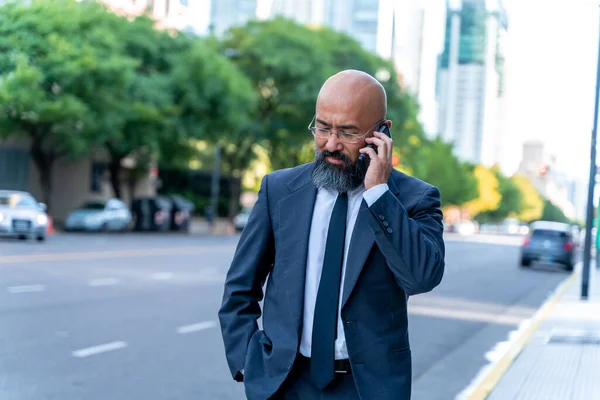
pixel 358 137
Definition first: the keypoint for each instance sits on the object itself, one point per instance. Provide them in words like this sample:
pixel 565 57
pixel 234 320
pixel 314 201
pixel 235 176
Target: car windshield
pixel 92 205
pixel 17 200
pixel 548 233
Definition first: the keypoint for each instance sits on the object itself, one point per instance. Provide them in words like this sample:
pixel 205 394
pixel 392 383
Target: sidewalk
pixel 557 357
pixel 200 226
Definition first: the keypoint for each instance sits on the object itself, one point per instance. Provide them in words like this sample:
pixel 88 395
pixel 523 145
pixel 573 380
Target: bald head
pixel 352 102
pixel 354 92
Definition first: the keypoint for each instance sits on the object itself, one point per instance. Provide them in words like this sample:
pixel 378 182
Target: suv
pixel 549 242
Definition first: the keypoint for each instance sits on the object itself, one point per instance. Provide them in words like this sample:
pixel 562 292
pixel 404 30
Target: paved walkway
pixel 222 226
pixel 560 360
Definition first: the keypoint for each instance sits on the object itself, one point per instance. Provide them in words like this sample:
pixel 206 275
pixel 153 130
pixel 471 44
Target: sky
pixel 551 60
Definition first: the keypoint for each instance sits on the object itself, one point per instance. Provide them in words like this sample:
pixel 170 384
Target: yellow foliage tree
pixel 489 196
pixel 532 205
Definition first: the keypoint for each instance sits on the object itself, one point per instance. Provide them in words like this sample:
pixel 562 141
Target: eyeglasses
pixel 323 133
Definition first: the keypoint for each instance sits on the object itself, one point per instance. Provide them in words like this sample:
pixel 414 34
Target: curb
pixel 496 371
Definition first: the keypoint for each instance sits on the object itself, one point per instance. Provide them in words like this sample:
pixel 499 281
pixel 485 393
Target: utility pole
pixel 587 249
pixel 214 192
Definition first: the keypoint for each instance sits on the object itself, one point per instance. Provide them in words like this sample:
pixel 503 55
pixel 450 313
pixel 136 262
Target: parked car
pixel 181 213
pixel 22 216
pixel 151 213
pixel 99 215
pixel 241 219
pixel 549 242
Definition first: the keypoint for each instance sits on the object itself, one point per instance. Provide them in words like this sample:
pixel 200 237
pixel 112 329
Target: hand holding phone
pixel 363 158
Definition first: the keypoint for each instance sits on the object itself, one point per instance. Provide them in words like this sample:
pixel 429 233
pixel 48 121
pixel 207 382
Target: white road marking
pixel 104 282
pixel 161 276
pixel 197 327
pixel 103 348
pixel 26 288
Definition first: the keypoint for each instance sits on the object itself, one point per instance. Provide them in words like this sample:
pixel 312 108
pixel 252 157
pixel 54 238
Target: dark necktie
pixel 325 322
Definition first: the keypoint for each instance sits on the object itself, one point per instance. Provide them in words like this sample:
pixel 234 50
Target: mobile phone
pixel 363 159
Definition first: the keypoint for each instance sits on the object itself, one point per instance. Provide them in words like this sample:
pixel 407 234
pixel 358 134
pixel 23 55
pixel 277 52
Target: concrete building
pixel 173 14
pixel 227 13
pixel 471 80
pixel 545 173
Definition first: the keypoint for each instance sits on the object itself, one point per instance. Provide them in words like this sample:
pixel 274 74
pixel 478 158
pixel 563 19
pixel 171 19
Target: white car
pixel 100 215
pixel 240 220
pixel 22 216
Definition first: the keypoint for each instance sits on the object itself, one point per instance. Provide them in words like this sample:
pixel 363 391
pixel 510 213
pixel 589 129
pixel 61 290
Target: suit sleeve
pixel 252 262
pixel 412 245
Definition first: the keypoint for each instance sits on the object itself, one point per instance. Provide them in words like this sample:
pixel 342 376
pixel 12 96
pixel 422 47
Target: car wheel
pixel 525 263
pixel 569 267
pixel 22 237
pixel 41 238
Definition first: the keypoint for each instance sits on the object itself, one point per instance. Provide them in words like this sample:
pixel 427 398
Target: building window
pixel 97 177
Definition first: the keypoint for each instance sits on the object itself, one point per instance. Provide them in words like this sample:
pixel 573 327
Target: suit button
pixel 350 321
pixel 389 230
pixel 381 217
pixel 385 223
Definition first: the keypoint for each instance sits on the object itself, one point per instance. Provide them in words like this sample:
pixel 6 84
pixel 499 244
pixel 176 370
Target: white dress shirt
pixel 316 252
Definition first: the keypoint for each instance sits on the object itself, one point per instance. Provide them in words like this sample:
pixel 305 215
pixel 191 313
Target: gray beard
pixel 338 178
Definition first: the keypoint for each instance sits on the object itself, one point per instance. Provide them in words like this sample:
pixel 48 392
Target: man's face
pixel 335 159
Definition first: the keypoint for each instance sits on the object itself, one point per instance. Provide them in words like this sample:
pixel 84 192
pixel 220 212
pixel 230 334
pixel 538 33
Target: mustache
pixel 337 155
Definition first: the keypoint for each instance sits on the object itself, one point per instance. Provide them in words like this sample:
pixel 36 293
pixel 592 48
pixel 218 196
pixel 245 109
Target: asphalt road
pixel 128 316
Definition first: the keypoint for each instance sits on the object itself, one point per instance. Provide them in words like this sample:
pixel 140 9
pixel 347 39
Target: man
pixel 342 255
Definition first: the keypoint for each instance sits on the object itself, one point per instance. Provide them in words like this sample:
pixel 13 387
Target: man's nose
pixel 334 143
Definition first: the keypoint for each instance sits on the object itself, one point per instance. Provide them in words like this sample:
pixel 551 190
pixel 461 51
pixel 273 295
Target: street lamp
pixel 585 279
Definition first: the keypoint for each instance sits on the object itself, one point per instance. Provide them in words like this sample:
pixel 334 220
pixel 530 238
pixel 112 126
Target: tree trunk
pixel 114 169
pixel 234 198
pixel 44 162
pixel 132 183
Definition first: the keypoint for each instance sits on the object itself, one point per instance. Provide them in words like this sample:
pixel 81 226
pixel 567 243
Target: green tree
pixel 59 78
pixel 440 167
pixel 532 204
pixel 145 103
pixel 489 195
pixel 511 199
pixel 287 68
pixel 287 64
pixel 552 213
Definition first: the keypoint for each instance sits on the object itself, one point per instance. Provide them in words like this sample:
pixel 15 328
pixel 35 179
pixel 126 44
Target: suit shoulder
pixel 286 175
pixel 411 183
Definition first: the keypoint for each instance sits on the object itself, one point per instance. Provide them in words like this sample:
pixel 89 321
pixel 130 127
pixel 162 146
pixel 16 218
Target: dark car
pixel 181 213
pixel 549 242
pixel 151 213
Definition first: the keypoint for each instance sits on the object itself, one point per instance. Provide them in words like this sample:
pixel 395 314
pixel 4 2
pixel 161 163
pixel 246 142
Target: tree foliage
pixel 511 199
pixel 438 165
pixel 489 196
pixel 59 77
pixel 532 204
pixel 553 213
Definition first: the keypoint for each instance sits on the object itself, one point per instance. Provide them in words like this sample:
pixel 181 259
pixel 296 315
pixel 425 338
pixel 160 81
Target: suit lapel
pixel 295 216
pixel 361 244
pixel 360 247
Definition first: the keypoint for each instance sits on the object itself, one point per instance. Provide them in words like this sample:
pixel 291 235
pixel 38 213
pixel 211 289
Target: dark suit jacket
pixel 397 250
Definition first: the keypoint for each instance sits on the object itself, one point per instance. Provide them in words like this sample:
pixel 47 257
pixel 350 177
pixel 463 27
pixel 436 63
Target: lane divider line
pixel 26 288
pixel 162 276
pixel 97 255
pixel 103 348
pixel 103 282
pixel 201 326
